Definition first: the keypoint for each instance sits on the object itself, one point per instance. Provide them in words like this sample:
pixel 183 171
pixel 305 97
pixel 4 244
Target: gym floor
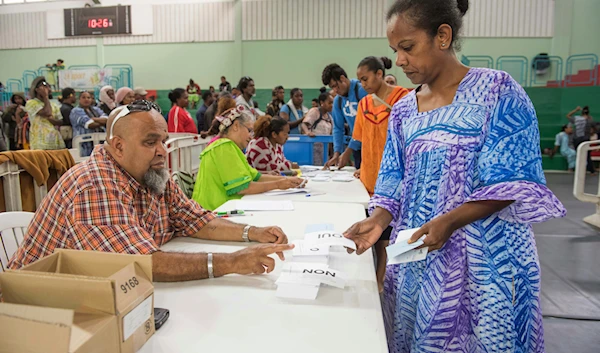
pixel 569 252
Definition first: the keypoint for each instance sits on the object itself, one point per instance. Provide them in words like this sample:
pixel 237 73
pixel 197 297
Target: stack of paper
pixel 401 252
pixel 304 252
pixel 344 178
pixel 277 192
pixel 302 280
pixel 308 267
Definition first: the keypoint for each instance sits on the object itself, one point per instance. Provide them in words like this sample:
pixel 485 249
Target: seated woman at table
pixel 87 119
pixel 225 173
pixel 265 152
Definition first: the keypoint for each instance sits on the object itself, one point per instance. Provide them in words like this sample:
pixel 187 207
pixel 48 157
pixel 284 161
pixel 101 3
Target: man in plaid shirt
pixel 123 200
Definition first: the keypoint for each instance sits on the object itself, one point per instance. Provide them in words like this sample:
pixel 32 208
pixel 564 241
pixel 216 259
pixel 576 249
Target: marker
pixel 231 213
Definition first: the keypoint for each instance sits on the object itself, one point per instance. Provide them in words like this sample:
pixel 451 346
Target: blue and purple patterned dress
pixel 480 292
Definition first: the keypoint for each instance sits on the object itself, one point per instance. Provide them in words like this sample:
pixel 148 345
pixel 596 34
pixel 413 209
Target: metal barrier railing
pixel 516 66
pixel 478 61
pixel 554 73
pixel 125 74
pixel 580 177
pixel 28 77
pixel 586 62
pixel 183 152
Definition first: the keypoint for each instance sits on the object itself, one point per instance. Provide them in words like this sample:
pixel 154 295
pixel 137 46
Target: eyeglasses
pixel 251 131
pixel 137 106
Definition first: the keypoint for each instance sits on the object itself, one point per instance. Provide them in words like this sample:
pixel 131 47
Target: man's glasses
pixel 137 106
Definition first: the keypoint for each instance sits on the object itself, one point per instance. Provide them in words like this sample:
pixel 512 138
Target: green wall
pixel 293 63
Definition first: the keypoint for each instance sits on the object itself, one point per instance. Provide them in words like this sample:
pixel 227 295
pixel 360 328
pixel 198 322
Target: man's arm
pixel 338 127
pixel 173 267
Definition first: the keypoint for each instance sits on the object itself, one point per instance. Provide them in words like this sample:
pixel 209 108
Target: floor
pixel 569 252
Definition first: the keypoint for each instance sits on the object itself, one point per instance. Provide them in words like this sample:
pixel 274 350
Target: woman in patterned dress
pixel 462 164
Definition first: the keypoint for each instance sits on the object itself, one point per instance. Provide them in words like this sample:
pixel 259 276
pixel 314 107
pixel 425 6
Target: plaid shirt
pixel 98 206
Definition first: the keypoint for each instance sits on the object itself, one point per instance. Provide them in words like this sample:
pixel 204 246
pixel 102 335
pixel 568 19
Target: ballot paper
pixel 297 291
pixel 318 227
pixel 409 256
pixel 303 252
pixel 287 192
pixel 329 238
pixel 247 205
pixel 310 274
pixel 401 251
pixel 343 178
pixel 321 178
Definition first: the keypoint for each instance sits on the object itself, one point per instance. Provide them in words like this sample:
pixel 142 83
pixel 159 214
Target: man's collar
pixel 127 179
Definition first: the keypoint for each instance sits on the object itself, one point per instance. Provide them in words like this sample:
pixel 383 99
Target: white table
pixel 242 314
pixel 337 192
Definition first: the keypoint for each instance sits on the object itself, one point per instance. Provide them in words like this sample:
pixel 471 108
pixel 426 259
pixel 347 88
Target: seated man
pixel 123 200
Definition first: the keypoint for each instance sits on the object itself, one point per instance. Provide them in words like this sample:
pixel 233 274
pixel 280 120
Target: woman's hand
pixel 436 232
pixel 357 174
pixel 364 234
pixel 289 183
pixel 311 134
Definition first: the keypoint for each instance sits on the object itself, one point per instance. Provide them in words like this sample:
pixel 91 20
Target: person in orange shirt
pixel 370 128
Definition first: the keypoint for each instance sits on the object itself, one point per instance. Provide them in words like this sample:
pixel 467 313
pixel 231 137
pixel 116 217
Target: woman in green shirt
pixel 224 171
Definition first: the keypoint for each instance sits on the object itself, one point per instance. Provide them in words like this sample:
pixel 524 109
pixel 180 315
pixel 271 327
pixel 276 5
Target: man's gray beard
pixel 156 180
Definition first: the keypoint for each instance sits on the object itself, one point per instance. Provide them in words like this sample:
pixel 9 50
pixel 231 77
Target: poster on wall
pixel 84 79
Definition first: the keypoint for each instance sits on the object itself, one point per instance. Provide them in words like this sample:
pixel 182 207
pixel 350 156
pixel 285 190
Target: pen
pixel 231 213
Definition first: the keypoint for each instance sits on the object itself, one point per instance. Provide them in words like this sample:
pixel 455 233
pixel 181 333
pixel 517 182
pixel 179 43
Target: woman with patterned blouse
pixel 45 117
pixel 265 152
pixel 462 165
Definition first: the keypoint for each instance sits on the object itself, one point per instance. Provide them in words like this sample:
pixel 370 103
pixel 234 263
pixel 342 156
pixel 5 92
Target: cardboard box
pixel 35 329
pixel 90 282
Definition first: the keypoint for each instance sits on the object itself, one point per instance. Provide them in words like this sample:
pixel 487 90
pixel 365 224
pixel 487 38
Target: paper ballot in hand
pixel 402 252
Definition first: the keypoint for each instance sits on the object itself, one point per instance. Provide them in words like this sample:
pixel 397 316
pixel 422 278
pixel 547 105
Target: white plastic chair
pixel 13 227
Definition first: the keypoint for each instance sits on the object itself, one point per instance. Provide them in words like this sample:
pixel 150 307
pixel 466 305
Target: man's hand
pixel 345 158
pixel 43 92
pixel 267 235
pixel 255 259
pixel 333 161
pixel 311 134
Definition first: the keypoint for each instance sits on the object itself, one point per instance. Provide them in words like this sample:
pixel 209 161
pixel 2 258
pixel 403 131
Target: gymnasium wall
pixel 298 62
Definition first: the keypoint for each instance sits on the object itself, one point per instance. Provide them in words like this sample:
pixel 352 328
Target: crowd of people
pixel 457 158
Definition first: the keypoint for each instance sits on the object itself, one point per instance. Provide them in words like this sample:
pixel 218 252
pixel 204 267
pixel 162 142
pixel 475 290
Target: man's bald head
pixel 136 141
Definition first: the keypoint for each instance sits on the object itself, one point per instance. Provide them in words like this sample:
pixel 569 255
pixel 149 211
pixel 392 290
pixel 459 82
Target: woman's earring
pixel 443 44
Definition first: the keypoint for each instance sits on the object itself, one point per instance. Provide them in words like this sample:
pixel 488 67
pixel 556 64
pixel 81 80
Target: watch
pixel 245 233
